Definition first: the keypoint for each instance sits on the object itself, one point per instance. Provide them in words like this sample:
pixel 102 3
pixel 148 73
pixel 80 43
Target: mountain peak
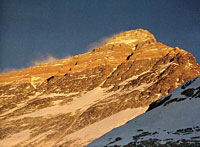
pixel 133 38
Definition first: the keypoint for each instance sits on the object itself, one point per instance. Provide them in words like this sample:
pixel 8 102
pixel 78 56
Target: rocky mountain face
pixel 73 101
pixel 171 121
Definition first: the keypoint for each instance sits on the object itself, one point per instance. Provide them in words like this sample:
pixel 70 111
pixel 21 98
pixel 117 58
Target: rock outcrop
pixel 70 102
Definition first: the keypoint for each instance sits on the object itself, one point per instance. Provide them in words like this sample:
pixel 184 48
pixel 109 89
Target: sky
pixel 32 31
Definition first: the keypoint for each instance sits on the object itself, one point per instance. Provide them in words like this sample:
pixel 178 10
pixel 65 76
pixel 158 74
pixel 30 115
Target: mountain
pixel 73 101
pixel 171 121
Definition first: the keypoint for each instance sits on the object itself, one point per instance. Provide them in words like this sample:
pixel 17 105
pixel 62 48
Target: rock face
pixel 73 101
pixel 171 121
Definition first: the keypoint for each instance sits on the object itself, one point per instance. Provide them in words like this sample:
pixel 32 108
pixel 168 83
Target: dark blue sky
pixel 34 29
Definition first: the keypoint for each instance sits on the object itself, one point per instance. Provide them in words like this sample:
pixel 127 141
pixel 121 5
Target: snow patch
pixel 34 81
pixel 133 78
pixel 57 64
pixel 89 133
pixel 15 139
pixel 124 41
pixel 80 102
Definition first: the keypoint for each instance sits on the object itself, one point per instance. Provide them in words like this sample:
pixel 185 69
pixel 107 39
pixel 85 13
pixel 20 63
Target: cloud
pixel 43 59
pixel 100 42
pixel 8 69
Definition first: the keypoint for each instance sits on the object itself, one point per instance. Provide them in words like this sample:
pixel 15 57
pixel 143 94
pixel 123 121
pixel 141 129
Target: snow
pixel 174 116
pixel 133 78
pixel 129 79
pixel 111 57
pixel 7 112
pixel 7 95
pixel 164 67
pixel 149 50
pixel 12 88
pixel 79 103
pixel 57 64
pixel 40 95
pixel 123 41
pixel 189 64
pixel 33 81
pixel 89 133
pixel 114 69
pixel 133 48
pixel 15 139
pixel 37 138
pixel 5 83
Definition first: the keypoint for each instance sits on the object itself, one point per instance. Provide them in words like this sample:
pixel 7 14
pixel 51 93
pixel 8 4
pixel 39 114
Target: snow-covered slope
pixel 173 120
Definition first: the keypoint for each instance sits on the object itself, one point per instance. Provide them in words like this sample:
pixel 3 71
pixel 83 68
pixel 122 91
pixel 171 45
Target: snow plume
pixel 38 60
pixel 8 69
pixel 100 42
pixel 43 59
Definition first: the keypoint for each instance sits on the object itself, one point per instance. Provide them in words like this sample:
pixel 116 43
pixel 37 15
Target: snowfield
pixel 172 120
